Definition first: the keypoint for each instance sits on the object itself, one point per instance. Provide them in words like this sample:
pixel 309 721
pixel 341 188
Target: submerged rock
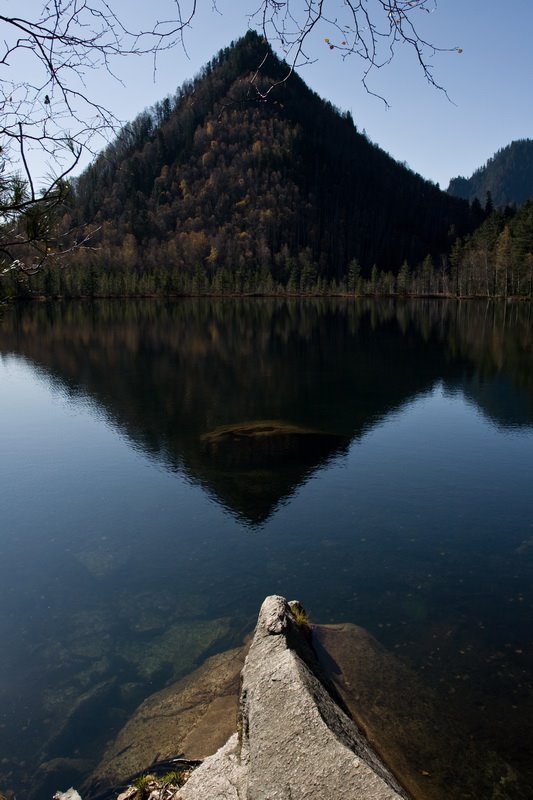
pixel 253 466
pixel 414 731
pixel 265 442
pixel 192 717
pixel 317 709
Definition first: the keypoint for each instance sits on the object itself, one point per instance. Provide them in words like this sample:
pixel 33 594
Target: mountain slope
pixel 227 178
pixel 508 176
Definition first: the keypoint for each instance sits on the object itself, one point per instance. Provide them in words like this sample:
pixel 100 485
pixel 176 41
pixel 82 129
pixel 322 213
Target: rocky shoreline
pixel 298 711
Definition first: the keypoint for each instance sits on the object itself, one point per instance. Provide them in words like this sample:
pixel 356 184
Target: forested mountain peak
pixel 507 175
pixel 245 169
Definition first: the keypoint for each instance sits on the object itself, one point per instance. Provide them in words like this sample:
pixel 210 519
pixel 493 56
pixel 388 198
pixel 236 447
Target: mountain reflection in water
pixel 252 401
pixel 168 374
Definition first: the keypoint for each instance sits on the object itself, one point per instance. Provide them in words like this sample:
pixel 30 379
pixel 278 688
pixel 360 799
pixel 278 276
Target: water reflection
pixel 337 432
pixel 168 374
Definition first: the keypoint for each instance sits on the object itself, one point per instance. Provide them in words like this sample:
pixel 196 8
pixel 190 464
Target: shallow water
pixel 130 550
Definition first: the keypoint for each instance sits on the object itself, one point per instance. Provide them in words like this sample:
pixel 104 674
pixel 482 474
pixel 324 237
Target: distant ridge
pixel 508 176
pixel 225 176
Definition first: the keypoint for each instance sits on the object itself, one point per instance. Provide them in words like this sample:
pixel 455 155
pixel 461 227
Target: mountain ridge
pixel 253 171
pixel 507 176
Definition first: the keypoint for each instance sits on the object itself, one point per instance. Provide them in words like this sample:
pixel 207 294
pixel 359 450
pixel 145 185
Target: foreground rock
pixel 398 717
pixel 294 740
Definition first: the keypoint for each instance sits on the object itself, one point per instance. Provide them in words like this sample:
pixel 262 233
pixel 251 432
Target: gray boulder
pixel 294 740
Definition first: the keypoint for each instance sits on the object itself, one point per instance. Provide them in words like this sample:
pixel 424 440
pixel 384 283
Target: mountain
pixel 235 175
pixel 508 176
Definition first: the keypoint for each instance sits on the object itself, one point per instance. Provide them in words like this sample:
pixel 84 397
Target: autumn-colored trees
pixel 496 260
pixel 222 177
pixel 221 189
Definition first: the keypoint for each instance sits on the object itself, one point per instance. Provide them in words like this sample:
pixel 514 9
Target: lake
pixel 141 526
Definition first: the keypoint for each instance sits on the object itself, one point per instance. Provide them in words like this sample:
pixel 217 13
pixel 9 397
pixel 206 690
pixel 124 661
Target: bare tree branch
pixel 370 30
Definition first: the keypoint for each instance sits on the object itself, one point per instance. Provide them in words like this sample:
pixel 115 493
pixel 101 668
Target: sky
pixel 487 104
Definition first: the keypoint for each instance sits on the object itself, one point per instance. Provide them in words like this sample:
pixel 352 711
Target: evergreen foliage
pixel 506 178
pixel 220 188
pixel 224 189
pixel 497 259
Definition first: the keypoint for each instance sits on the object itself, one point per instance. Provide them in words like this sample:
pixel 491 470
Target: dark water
pixel 130 548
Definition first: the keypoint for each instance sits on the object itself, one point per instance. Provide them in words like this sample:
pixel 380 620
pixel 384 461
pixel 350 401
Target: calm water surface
pixel 131 548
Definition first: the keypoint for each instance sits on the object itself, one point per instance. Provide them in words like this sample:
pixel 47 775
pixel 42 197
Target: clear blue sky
pixel 489 84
